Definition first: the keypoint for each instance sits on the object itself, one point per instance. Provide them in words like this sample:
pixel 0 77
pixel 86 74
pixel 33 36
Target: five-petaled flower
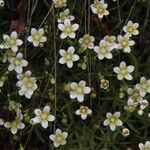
pixel 17 63
pixel 131 105
pixel 27 84
pixel 68 29
pixel 104 84
pixel 124 43
pixel 104 50
pixel 124 71
pixel 143 86
pixel 125 132
pixel 65 15
pixel 12 42
pixel 99 8
pixel 43 116
pixel 37 36
pixel 59 138
pixel 134 94
pixel 84 111
pixel 113 120
pixel 87 41
pixel 78 90
pixel 16 124
pixel 68 57
pixel 131 28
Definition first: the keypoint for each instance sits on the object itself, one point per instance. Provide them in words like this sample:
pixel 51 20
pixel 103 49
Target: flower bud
pixel 125 132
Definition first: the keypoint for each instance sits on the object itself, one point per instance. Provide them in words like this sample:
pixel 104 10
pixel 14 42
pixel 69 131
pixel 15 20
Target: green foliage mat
pixel 89 134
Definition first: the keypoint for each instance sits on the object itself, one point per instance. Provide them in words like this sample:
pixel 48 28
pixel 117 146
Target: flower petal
pixel 44 124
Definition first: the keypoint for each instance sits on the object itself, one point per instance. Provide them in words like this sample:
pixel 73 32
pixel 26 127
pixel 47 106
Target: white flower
pixel 131 28
pixel 59 138
pixel 17 63
pixel 124 71
pixel 84 111
pixel 134 94
pixel 65 15
pixel 37 36
pixel 104 84
pixel 43 116
pixel 131 105
pixel 12 41
pixel 27 84
pixel 125 132
pixel 143 86
pixel 113 120
pixel 60 3
pixel 15 124
pixel 99 8
pixel 68 57
pixel 125 43
pixel 67 29
pixel 87 41
pixel 78 90
pixel 111 40
pixel 104 50
pixel 145 146
pixel 9 54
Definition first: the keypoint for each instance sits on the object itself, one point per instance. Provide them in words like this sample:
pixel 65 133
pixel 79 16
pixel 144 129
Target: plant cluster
pixel 70 87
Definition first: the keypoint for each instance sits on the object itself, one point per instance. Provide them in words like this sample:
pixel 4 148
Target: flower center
pixel 135 95
pixel 130 29
pixel 87 40
pixel 131 108
pixel 43 116
pixel 68 29
pixel 105 84
pixel 100 10
pixel 109 39
pixel 83 110
pixel 124 43
pixel 68 56
pixel 14 124
pixel 36 37
pixel 29 84
pixel 144 86
pixel 59 138
pixel 79 90
pixel 17 62
pixel 124 71
pixel 112 119
pixel 12 41
pixel 103 50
